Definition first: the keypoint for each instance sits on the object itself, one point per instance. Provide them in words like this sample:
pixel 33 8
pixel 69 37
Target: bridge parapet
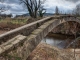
pixel 24 30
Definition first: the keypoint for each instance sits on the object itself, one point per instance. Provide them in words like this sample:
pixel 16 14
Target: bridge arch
pixel 60 21
pixel 64 21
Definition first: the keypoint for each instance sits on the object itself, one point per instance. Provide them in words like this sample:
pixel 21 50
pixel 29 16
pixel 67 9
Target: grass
pixel 13 23
pixel 16 21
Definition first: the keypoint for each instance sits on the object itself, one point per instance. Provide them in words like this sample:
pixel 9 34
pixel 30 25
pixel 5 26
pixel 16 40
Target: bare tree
pixel 76 11
pixel 42 11
pixel 32 6
pixel 56 10
pixel 3 8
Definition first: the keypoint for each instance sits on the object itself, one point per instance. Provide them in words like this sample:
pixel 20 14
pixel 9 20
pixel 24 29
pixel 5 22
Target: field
pixel 7 24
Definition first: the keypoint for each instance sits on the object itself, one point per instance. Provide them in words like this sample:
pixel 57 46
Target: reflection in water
pixel 56 41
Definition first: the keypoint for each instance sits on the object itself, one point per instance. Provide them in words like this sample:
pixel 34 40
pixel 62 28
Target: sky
pixel 49 5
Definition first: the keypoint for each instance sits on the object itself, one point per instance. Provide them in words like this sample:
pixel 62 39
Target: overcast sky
pixel 63 5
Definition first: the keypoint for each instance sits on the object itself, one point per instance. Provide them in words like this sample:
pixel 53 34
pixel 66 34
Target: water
pixel 57 40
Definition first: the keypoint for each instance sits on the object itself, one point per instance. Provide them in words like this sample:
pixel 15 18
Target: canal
pixel 58 40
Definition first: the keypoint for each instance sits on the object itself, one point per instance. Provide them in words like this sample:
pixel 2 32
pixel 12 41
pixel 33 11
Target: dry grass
pixel 13 23
pixel 47 52
pixel 44 52
pixel 14 20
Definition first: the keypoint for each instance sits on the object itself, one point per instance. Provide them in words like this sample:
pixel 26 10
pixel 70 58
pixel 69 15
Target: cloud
pixel 73 0
pixel 63 5
pixel 12 1
pixel 14 7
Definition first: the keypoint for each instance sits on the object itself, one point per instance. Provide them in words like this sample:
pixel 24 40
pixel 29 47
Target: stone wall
pixel 67 28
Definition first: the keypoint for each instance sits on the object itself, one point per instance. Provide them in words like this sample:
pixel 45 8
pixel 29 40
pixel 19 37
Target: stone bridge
pixel 22 41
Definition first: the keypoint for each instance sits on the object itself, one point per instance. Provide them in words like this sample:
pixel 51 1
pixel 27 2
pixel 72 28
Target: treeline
pixel 75 11
pixel 5 15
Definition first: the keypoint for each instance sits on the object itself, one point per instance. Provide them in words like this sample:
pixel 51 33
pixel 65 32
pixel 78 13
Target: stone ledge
pixel 12 43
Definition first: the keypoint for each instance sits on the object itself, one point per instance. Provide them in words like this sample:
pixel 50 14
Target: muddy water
pixel 58 40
